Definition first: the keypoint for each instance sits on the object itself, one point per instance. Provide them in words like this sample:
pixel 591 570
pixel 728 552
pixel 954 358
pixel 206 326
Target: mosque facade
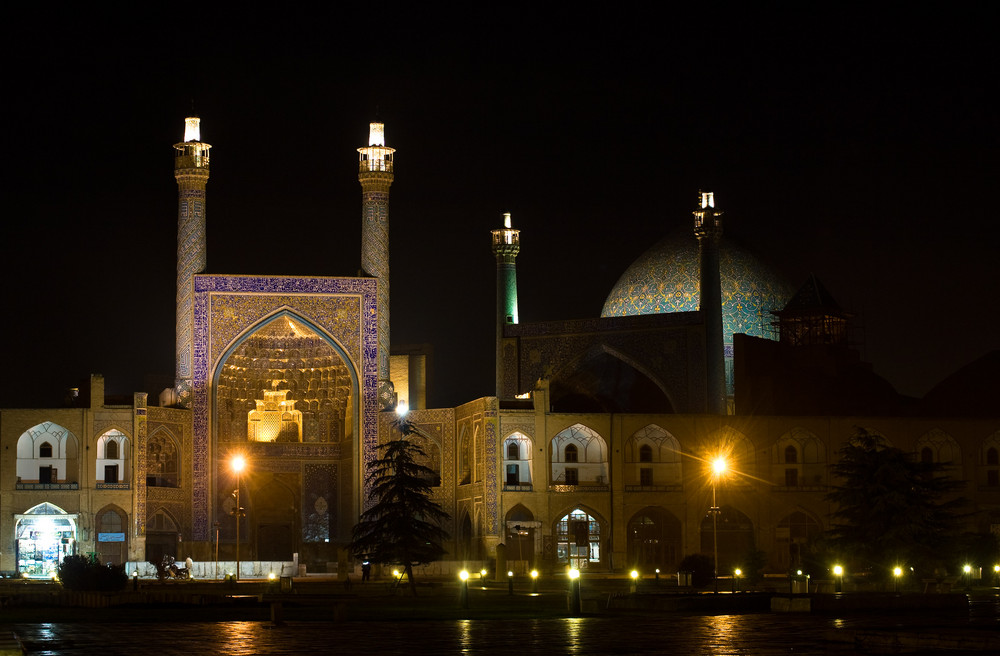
pixel 591 453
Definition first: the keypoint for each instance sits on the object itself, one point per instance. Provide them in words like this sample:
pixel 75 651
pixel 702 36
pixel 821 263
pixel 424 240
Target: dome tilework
pixel 666 279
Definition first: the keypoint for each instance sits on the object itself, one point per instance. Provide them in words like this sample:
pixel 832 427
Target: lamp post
pixel 238 463
pixel 719 467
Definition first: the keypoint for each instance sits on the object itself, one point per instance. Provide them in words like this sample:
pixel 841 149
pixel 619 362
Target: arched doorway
pixel 44 535
pixel 112 534
pixel 735 537
pixel 465 538
pixel 578 540
pixel 654 540
pixel 161 537
pixel 520 523
pixel 791 538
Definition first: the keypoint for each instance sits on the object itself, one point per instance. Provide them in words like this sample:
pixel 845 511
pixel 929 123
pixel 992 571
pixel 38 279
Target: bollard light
pixel 464 588
pixel 573 573
pixel 510 582
pixel 737 573
pixel 271 576
pixel 634 574
pixel 838 571
pixel 534 581
pixel 482 574
pixel 575 605
pixel 897 571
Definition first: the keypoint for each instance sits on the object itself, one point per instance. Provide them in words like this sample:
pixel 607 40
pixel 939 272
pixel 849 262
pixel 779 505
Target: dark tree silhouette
pixel 891 508
pixel 402 524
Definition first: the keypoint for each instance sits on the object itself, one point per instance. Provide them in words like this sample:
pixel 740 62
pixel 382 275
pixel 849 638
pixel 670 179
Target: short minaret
pixel 375 174
pixel 708 230
pixel 506 245
pixel 191 172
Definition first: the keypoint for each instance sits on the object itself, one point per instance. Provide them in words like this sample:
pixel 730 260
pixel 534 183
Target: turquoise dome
pixel 665 279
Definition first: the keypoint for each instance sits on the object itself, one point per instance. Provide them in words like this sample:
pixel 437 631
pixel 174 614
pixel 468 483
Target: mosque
pixel 592 452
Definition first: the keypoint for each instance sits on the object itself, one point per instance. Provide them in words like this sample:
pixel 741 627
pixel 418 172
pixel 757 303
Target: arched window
pixel 992 457
pixel 791 454
pixel 111 450
pixel 645 453
pixel 161 461
pixel 513 453
pixel 45 450
pixel 570 453
pixel 578 539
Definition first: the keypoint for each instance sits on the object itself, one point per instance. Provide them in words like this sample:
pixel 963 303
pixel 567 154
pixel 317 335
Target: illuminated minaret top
pixel 375 172
pixel 506 245
pixel 708 230
pixel 191 173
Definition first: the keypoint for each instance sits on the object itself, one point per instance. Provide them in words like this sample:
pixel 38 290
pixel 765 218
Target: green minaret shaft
pixel 506 245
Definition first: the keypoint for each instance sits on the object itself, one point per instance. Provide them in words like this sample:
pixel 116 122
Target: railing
pixel 800 488
pixel 520 487
pixel 47 486
pixel 579 488
pixel 653 488
pixel 113 486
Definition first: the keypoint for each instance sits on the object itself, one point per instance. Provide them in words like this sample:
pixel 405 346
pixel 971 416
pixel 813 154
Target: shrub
pixel 80 573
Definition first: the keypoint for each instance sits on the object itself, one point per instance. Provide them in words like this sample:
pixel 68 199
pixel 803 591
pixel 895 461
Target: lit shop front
pixel 44 535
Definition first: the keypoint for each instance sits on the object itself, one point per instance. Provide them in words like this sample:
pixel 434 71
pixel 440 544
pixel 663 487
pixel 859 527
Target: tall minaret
pixel 375 175
pixel 191 172
pixel 708 230
pixel 506 245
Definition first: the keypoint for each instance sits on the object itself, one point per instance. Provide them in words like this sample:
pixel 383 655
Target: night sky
pixel 859 146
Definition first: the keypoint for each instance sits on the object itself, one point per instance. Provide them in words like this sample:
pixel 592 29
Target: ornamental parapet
pixel 47 486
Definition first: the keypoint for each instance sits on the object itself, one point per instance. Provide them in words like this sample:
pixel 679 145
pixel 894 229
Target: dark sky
pixel 861 146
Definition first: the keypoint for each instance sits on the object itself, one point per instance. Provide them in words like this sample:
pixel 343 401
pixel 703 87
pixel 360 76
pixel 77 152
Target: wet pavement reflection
pixel 762 634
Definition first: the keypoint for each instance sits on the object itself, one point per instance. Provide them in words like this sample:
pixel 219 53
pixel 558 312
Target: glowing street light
pixel 719 467
pixel 463 588
pixel 534 581
pixel 968 575
pixel 574 592
pixel 838 571
pixel 510 582
pixel 737 573
pixel 238 463
pixel 635 580
pixel 897 571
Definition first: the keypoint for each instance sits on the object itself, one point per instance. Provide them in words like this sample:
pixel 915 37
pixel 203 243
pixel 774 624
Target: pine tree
pixel 403 524
pixel 891 508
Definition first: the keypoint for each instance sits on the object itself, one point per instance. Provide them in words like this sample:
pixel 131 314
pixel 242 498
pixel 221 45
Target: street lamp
pixel 719 467
pixel 238 464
